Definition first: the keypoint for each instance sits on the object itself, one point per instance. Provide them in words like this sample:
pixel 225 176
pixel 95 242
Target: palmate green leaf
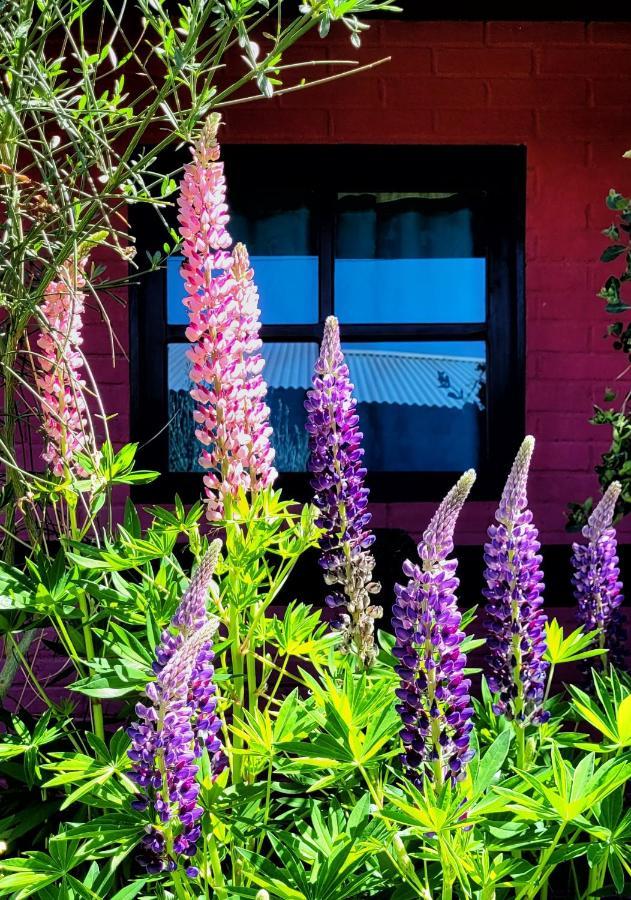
pixel 576 792
pixel 609 711
pixel 266 875
pixel 576 646
pixel 36 870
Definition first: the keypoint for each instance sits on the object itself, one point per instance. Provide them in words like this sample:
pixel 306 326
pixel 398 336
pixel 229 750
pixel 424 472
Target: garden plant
pixel 211 739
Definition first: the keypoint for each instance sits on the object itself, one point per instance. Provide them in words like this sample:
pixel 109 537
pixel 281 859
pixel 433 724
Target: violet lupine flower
pixel 222 300
pixel 433 693
pixel 175 728
pixel 337 477
pixel 597 588
pixel 59 369
pixel 515 618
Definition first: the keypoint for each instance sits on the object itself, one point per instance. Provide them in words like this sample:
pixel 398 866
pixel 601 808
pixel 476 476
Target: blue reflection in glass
pixel 410 290
pixel 288 289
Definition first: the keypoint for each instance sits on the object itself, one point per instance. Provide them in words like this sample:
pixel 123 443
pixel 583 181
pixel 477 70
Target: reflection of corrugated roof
pixel 380 376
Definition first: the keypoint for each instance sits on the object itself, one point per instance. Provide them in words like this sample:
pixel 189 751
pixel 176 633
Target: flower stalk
pixel 596 579
pixel 337 477
pixel 434 702
pixel 231 415
pixel 515 619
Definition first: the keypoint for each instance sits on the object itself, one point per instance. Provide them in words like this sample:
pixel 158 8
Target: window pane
pixel 420 404
pixel 279 231
pixel 409 258
pixel 288 289
pixel 288 368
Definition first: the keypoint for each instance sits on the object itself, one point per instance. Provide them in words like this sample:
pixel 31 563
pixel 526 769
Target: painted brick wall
pixel 560 88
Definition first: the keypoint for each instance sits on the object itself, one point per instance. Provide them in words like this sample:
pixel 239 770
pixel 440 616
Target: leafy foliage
pixel 615 464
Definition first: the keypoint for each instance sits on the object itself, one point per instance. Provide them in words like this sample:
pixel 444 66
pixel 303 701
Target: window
pixel 418 251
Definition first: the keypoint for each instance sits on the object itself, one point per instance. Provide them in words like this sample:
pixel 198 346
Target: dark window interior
pixel 418 251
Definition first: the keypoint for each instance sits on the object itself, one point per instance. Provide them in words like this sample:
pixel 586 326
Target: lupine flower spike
pixel 59 369
pixel 337 477
pixel 514 615
pixel 231 415
pixel 173 730
pixel 597 588
pixel 434 701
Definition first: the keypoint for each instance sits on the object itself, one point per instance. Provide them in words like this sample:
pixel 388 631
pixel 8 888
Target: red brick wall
pixel 561 89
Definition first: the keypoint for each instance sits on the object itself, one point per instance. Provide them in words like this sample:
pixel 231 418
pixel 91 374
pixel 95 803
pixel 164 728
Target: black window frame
pixel 500 171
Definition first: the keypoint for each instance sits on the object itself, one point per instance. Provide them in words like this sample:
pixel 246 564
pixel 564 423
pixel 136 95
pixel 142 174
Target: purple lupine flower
pixel 597 588
pixel 514 615
pixel 433 693
pixel 175 727
pixel 191 612
pixel 337 477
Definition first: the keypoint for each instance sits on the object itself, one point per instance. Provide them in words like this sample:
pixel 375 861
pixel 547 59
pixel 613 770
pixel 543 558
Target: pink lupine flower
pixel 231 415
pixel 59 367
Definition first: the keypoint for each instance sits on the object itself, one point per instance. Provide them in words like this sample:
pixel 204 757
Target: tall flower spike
pixel 337 477
pixel 226 367
pixel 59 369
pixel 597 588
pixel 514 615
pixel 173 730
pixel 433 693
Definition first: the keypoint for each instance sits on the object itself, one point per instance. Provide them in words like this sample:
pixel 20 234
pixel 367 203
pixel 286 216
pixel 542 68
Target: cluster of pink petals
pixel 226 366
pixel 59 369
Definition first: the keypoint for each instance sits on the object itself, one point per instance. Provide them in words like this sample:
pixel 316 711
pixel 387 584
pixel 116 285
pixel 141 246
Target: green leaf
pixel 623 720
pixel 130 891
pixel 492 762
pixel 613 252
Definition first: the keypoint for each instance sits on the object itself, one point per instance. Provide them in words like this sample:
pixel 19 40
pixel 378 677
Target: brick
pixel 548 486
pixel 541 93
pixel 571 365
pixel 582 124
pixel 404 125
pixel 585 61
pixel 416 61
pixel 484 125
pixel 429 92
pixel 535 32
pixel 560 456
pixel 571 244
pixel 558 394
pixel 363 91
pixel 553 425
pixel 611 92
pixel 555 278
pixel 545 153
pixel 447 34
pixel 609 32
pixel 558 336
pixel 249 123
pixel 486 61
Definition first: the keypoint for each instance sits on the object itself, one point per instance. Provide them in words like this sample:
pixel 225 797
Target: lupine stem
pixel 220 884
pixel 96 709
pixel 535 885
pixel 239 690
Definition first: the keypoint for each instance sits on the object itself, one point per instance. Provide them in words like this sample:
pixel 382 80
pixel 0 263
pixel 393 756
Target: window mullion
pixel 326 266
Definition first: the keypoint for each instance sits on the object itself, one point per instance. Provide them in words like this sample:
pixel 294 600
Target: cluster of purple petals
pixel 434 701
pixel 596 578
pixel 337 478
pixel 173 729
pixel 515 619
pixel 335 455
